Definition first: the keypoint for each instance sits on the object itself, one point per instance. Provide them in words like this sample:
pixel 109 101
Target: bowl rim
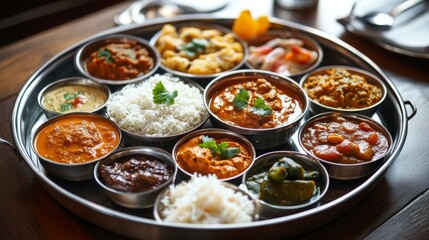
pixel 265 74
pixel 135 150
pixel 67 115
pixel 353 116
pixel 293 34
pixel 220 131
pixel 80 81
pixel 145 137
pixel 200 25
pixel 355 70
pixel 80 63
pixel 158 201
pixel 293 155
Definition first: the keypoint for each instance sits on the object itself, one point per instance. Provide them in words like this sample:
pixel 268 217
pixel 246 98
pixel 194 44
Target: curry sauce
pixel 194 158
pixel 77 139
pixel 285 105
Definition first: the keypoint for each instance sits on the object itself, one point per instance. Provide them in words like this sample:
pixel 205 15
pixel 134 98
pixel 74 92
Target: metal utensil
pixel 385 20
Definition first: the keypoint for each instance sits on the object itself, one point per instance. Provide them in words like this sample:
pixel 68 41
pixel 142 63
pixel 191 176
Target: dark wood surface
pixel 395 209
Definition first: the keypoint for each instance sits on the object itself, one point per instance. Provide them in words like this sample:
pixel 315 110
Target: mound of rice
pixel 206 200
pixel 133 109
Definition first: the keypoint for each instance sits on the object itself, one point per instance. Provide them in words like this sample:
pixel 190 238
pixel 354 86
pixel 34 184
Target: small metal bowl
pixel 76 81
pixel 309 44
pixel 316 107
pixel 347 171
pixel 73 172
pixel 265 161
pixel 160 205
pixel 202 79
pixel 216 134
pixel 167 141
pixel 260 138
pixel 135 200
pixel 85 51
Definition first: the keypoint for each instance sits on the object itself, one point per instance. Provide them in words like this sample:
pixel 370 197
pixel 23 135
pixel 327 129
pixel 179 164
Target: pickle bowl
pixel 79 82
pixel 261 138
pixel 137 199
pixel 298 69
pixel 201 78
pixel 96 45
pixel 75 171
pixel 349 170
pixel 315 107
pixel 215 133
pixel 261 167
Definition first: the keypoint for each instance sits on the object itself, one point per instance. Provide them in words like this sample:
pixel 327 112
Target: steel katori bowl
pixel 165 198
pixel 135 200
pixel 77 82
pixel 261 138
pixel 264 162
pixel 201 78
pixel 167 141
pixel 216 134
pixel 344 171
pixel 74 171
pixel 84 52
pixel 316 107
pixel 308 43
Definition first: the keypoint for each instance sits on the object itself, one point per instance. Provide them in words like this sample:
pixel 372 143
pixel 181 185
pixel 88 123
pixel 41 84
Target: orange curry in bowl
pixel 76 139
pixel 256 104
pixel 223 157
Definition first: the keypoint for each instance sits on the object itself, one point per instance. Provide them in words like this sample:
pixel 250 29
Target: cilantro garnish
pixel 260 108
pixel 197 45
pixel 240 100
pixel 221 149
pixel 66 106
pixel 103 52
pixel 162 96
pixel 71 96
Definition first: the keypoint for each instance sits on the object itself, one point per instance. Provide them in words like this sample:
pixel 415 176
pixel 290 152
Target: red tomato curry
pixel 343 140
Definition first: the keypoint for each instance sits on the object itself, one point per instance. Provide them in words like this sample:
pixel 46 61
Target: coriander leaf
pixel 66 106
pixel 260 108
pixel 69 96
pixel 230 152
pixel 197 45
pixel 240 100
pixel 208 142
pixel 226 152
pixel 221 149
pixel 103 52
pixel 162 96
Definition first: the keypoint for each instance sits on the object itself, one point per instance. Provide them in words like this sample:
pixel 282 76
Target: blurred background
pixel 22 18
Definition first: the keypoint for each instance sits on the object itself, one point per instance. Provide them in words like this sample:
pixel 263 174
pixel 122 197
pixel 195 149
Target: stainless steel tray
pixel 87 200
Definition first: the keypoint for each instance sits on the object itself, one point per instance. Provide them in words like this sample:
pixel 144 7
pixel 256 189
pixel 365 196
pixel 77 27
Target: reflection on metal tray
pixel 88 201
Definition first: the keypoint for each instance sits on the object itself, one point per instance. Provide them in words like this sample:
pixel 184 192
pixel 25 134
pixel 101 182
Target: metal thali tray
pixel 87 200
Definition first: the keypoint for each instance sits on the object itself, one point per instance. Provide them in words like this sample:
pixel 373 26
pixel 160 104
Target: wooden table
pixel 396 209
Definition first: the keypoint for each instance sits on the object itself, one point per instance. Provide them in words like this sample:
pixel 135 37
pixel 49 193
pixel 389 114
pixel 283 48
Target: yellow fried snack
pixel 247 28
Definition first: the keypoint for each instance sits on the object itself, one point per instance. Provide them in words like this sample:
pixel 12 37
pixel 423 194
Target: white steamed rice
pixel 133 109
pixel 206 200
